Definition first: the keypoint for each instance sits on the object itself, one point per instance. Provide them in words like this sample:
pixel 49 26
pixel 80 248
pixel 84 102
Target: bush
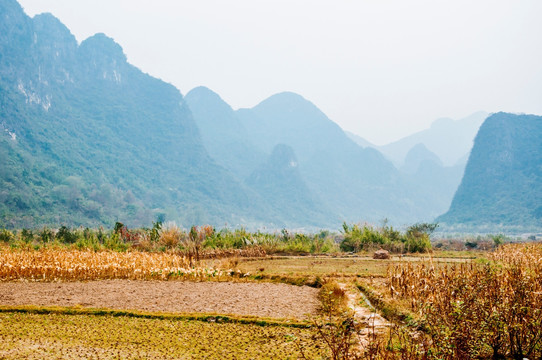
pixel 46 235
pixel 27 236
pixel 333 299
pixel 171 237
pixel 66 236
pixel 358 238
pixel 115 243
pixel 6 235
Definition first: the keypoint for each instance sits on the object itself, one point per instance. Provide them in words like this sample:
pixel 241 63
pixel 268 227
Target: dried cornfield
pixel 74 265
pixel 478 310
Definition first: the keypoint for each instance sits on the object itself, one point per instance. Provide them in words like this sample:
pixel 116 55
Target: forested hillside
pixel 88 139
pixel 502 185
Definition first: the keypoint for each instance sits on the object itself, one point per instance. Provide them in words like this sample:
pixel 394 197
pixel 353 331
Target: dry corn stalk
pixel 51 265
pixel 479 309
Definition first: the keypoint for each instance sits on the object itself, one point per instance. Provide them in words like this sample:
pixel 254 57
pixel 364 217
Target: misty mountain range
pixel 450 140
pixel 88 139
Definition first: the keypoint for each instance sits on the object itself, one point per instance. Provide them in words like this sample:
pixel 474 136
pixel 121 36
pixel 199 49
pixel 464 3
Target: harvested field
pixel 252 299
pixel 56 336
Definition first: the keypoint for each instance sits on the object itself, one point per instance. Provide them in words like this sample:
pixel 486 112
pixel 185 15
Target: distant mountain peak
pixel 417 155
pixel 287 100
pixel 281 164
pixel 421 149
pixel 51 32
pixel 49 20
pixel 202 90
pixel 449 139
pixel 9 8
pixel 206 96
pixel 442 122
pixel 102 46
pixel 290 112
pixel 287 95
pixel 104 57
pixel 502 181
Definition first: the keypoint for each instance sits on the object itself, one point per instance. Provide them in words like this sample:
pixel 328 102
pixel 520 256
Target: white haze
pixel 381 69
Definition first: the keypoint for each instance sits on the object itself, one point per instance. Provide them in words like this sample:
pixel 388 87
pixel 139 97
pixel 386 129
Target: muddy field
pixel 257 299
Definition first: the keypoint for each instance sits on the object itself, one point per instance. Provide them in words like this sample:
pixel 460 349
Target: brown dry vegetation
pixel 479 309
pixel 76 265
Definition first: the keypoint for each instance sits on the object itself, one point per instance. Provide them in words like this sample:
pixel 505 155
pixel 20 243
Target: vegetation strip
pixel 57 310
pixel 387 311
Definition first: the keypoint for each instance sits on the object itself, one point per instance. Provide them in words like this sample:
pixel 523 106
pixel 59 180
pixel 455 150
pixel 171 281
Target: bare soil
pixel 253 299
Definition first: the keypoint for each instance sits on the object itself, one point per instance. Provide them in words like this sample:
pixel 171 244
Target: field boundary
pixel 387 311
pixel 204 317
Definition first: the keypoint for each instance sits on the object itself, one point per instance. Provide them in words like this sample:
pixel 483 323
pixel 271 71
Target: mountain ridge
pixel 98 140
pixel 87 139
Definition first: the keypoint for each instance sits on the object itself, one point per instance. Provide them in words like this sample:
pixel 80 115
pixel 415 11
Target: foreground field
pixel 454 305
pixel 254 299
pixel 54 336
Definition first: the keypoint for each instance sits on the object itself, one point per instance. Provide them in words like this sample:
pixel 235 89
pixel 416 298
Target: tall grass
pixel 478 310
pixel 196 240
pixel 196 243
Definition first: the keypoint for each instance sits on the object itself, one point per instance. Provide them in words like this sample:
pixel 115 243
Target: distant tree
pixel 66 236
pixel 497 239
pixel 422 228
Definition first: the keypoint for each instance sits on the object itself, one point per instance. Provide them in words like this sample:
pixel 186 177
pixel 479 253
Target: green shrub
pixel 6 235
pixel 357 238
pixel 366 237
pixel 27 236
pixel 46 235
pixel 66 236
pixel 115 243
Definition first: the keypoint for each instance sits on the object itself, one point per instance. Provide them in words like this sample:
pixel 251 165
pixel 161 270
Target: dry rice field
pixel 246 299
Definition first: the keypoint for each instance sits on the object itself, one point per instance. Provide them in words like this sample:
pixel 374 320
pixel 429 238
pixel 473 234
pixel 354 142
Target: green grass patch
pixel 389 310
pixel 207 317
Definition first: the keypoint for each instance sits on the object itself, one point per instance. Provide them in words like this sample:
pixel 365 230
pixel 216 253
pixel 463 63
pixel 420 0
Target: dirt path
pixel 257 299
pixel 363 311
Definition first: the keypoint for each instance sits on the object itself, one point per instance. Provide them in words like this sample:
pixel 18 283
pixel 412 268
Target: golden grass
pixel 75 265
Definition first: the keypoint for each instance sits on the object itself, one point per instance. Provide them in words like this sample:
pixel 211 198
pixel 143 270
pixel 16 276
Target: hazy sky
pixel 380 68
